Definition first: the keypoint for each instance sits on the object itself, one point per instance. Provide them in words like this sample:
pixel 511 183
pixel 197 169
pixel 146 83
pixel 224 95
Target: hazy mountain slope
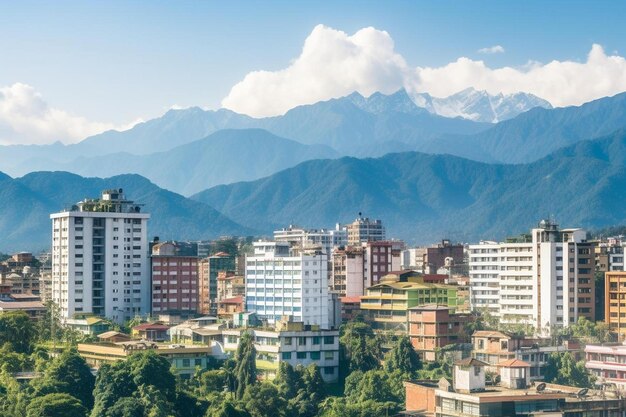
pixel 26 203
pixel 224 157
pixel 538 132
pixel 424 197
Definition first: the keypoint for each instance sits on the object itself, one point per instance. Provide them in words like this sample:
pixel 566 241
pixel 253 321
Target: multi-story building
pixel 364 230
pixel 174 280
pixel 294 343
pixel 281 282
pixel 615 301
pixel 415 259
pixel 433 326
pixel 607 363
pixel 208 270
pixel 543 279
pixel 616 258
pixel 230 285
pixel 468 395
pixel 22 272
pixel 493 348
pixel 386 304
pixel 100 258
pixel 302 238
pixel 436 256
pixel 355 268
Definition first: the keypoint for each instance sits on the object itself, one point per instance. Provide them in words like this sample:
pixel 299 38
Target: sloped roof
pixel 234 300
pixel 470 362
pixel 112 333
pixel 490 333
pixel 514 363
pixel 151 326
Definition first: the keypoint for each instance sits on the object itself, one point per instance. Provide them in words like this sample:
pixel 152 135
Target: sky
pixel 69 69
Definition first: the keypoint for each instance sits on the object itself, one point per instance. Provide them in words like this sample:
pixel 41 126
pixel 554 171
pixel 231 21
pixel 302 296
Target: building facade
pixel 302 238
pixel 100 258
pixel 615 301
pixel 280 283
pixel 208 270
pixel 174 280
pixel 363 230
pixel 543 279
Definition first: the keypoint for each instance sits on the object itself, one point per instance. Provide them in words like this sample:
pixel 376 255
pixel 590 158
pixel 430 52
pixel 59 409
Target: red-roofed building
pixel 229 306
pixel 350 308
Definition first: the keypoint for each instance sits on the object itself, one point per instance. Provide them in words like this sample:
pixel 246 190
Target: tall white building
pixel 543 279
pixel 302 238
pixel 280 282
pixel 100 258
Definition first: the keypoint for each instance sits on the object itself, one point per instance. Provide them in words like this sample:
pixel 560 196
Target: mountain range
pixel 26 203
pixel 480 106
pixel 423 198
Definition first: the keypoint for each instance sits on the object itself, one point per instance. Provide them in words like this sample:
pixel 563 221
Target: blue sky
pixel 116 61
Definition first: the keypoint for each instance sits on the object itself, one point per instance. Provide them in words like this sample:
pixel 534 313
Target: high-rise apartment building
pixel 542 279
pixel 615 301
pixel 174 280
pixel 354 268
pixel 364 230
pixel 283 282
pixel 100 258
pixel 208 270
pixel 436 256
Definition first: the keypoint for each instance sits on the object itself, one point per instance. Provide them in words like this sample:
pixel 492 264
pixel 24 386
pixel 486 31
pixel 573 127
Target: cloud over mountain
pixel 333 64
pixel 25 117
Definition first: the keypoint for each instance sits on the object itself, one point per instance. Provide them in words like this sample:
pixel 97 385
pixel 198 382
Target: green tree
pixel 56 405
pixel 263 400
pixel 17 330
pixel 245 368
pixel 403 358
pixel 150 369
pixel 288 381
pixel 125 407
pixel 227 408
pixel 372 385
pixel 69 374
pixel 359 347
pixel 563 369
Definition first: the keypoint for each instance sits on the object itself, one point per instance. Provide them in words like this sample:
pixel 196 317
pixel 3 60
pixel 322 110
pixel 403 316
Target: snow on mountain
pixel 480 106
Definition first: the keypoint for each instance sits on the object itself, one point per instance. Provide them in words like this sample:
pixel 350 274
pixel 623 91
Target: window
pixel 301 355
pixel 288 341
pixel 286 355
pixel 315 356
pixel 186 363
pixel 316 340
pixel 329 340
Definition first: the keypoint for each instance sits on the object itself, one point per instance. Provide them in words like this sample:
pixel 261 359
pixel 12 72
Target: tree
pixel 69 374
pixel 126 407
pixel 403 358
pixel 263 400
pixel 288 381
pixel 17 330
pixel 227 408
pixel 56 405
pixel 564 370
pixel 372 385
pixel 359 347
pixel 150 369
pixel 245 367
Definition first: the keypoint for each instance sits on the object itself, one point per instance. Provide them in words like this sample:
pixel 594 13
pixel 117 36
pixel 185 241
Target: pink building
pixel 174 280
pixel 607 363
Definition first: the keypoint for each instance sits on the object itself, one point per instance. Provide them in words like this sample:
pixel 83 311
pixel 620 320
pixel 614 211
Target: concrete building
pixel 208 270
pixel 493 348
pixel 354 268
pixel 433 326
pixel 436 256
pixel 386 305
pixel 468 395
pixel 100 258
pixel 302 238
pixel 415 259
pixel 282 282
pixel 294 343
pixel 230 285
pixel 615 301
pixel 543 279
pixel 363 230
pixel 174 280
pixel 607 363
pixel 184 360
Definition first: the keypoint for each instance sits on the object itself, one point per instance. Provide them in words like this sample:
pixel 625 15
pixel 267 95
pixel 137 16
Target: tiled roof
pixel 514 363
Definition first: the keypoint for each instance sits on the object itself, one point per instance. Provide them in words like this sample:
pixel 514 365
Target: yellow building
pixel 385 305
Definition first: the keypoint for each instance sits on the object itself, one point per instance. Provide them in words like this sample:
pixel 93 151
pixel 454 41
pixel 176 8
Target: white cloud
pixel 25 117
pixel 496 49
pixel 333 64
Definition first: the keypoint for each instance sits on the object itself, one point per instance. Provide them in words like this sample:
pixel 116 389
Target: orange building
pixel 615 301
pixel 433 326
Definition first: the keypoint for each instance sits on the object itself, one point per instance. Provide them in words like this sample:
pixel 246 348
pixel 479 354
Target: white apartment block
pixel 100 258
pixel 280 283
pixel 303 346
pixel 543 279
